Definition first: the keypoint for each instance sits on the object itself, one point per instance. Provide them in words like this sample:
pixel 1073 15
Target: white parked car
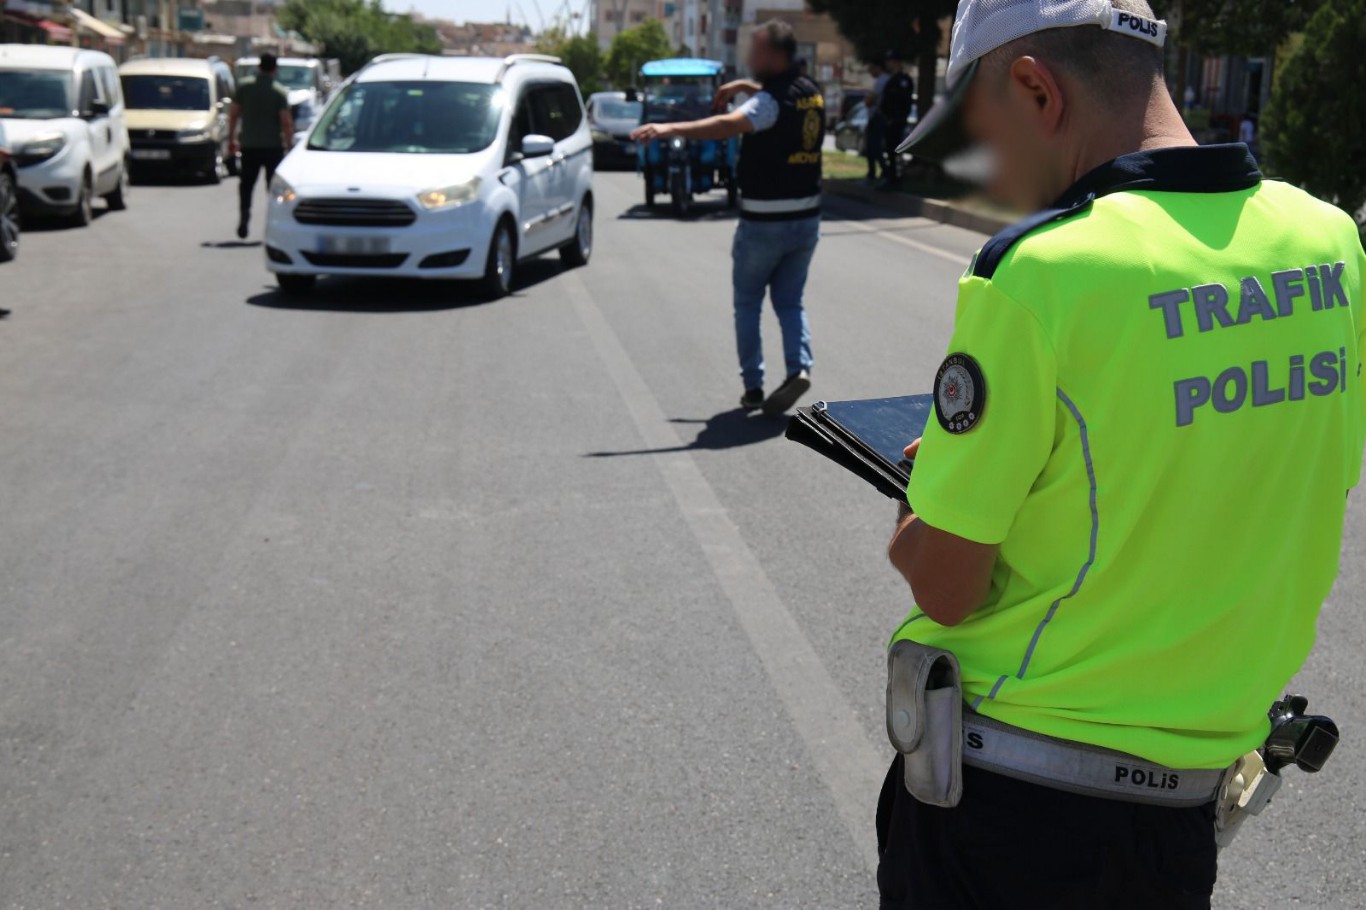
pixel 437 167
pixel 63 113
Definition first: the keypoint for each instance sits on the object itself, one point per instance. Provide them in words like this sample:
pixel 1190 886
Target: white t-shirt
pixel 761 110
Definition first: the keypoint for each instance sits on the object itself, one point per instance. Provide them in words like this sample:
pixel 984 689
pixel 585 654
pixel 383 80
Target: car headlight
pixel 281 192
pixel 450 196
pixel 198 135
pixel 600 136
pixel 40 148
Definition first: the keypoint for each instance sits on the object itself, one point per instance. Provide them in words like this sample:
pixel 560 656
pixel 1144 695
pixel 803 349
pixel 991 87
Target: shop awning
pixel 56 31
pixel 91 25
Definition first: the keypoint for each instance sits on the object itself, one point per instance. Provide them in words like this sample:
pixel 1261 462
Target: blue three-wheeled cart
pixel 677 90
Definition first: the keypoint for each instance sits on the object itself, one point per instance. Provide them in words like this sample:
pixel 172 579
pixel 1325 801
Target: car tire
pixel 230 161
pixel 118 200
pixel 9 218
pixel 649 188
pixel 294 285
pixel 501 263
pixel 84 212
pixel 214 175
pixel 576 252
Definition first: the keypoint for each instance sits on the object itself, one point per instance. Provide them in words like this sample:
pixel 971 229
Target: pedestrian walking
pixel 782 125
pixel 875 132
pixel 1129 510
pixel 261 109
pixel 894 103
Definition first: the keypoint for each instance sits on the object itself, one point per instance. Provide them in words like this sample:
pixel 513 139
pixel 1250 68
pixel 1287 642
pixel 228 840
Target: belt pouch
pixel 925 720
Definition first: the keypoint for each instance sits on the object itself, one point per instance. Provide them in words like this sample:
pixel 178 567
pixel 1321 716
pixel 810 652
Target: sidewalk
pixel 960 213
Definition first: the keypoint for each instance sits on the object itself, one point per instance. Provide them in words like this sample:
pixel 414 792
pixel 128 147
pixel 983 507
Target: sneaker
pixel 752 400
pixel 786 395
pixel 242 228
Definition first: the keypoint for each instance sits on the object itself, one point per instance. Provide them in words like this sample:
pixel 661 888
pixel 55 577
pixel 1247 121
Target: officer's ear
pixel 1032 81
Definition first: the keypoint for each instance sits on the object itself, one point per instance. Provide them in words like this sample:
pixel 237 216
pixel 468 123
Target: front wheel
pixel 501 262
pixel 84 212
pixel 678 190
pixel 575 253
pixel 295 285
pixel 216 170
pixel 118 200
pixel 9 218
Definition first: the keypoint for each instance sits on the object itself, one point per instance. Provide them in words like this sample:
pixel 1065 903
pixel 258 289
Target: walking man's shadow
pixel 727 430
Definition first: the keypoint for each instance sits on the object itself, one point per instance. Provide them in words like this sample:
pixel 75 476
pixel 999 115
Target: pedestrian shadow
pixel 230 244
pixel 727 430
pixel 347 294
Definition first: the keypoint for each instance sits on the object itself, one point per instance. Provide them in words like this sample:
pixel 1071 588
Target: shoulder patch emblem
pixel 960 393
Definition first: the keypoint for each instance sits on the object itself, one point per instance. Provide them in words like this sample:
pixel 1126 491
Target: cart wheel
pixel 682 199
pixel 649 190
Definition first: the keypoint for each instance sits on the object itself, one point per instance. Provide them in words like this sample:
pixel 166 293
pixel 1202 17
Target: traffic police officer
pixel 783 124
pixel 1129 510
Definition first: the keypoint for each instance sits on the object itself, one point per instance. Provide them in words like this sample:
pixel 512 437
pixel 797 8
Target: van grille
pixel 354 212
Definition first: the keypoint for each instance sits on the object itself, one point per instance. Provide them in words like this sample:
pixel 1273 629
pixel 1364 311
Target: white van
pixel 437 167
pixel 63 113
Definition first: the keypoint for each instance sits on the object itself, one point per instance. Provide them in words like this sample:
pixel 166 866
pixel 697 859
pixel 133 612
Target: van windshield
pixel 166 93
pixel 420 117
pixel 35 95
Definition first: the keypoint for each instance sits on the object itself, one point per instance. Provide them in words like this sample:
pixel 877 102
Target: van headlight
pixel 281 192
pixel 450 196
pixel 601 135
pixel 40 148
pixel 196 135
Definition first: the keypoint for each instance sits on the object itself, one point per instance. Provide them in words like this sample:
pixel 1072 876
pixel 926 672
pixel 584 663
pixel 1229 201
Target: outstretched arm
pixel 721 126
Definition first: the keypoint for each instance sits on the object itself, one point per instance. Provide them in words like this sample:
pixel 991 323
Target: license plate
pixel 152 154
pixel 352 245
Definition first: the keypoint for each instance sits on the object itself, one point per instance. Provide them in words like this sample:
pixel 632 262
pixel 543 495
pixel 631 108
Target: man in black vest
pixel 895 103
pixel 783 124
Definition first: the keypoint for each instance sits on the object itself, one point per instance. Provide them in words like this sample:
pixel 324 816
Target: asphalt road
pixel 398 599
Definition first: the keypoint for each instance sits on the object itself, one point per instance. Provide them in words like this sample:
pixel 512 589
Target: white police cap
pixel 981 26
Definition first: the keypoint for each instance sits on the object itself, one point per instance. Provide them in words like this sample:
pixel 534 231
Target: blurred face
pixel 764 59
pixel 1015 117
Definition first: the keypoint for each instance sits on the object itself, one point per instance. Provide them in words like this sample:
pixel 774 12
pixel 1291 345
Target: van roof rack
pixel 512 60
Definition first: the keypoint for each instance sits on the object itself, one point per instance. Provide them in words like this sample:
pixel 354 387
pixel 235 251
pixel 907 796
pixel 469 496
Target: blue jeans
pixel 772 256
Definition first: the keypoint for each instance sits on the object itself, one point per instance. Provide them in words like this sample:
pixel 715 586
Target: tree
pixel 580 54
pixel 354 31
pixel 1247 27
pixel 909 26
pixel 1314 128
pixel 632 48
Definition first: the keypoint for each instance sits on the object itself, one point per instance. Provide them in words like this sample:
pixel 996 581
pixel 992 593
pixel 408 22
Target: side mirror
pixel 97 108
pixel 537 146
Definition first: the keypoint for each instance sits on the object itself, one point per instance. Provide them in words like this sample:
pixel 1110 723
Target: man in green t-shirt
pixel 1129 511
pixel 261 107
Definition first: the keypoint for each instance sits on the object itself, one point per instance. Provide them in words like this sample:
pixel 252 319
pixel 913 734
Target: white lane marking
pixel 849 765
pixel 942 253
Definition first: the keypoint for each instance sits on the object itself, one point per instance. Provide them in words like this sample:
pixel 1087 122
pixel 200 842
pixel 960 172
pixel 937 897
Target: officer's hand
pixel 912 449
pixel 652 131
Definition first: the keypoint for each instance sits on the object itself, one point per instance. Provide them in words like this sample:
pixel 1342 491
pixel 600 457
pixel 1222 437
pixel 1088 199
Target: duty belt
pixel 1080 768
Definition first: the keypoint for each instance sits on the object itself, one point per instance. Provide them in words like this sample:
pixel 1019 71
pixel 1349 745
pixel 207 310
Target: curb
pixel 918 207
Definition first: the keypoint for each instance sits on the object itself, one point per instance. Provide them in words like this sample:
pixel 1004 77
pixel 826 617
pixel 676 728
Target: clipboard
pixel 866 437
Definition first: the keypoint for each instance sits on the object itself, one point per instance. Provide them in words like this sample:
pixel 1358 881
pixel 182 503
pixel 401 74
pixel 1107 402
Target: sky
pixel 532 12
